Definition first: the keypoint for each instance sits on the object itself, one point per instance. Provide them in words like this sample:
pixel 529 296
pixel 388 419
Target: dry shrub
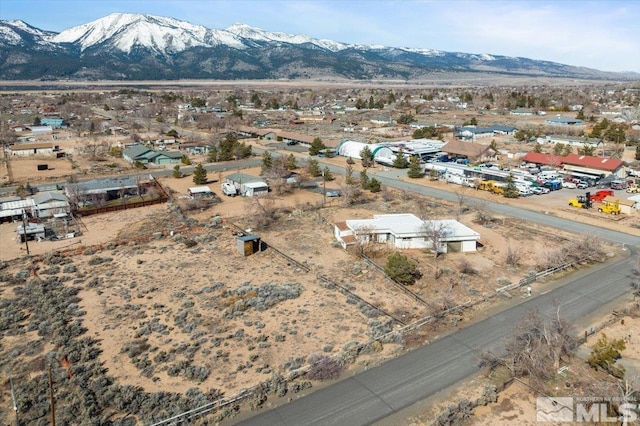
pixel 467 268
pixel 323 367
pixel 589 249
pixel 514 256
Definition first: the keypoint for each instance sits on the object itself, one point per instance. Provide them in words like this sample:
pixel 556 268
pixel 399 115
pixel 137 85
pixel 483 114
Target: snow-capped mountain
pixel 17 33
pixel 138 46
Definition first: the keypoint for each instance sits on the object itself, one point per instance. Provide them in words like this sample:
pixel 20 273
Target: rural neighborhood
pixel 220 251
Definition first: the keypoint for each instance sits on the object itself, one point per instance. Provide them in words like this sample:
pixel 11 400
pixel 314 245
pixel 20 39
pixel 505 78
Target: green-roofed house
pixel 147 155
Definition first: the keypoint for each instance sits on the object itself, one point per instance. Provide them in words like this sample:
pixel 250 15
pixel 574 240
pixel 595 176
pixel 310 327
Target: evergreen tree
pixel 511 190
pixel 638 152
pixel 372 103
pixel 537 148
pixel 366 156
pixel 401 269
pixel 313 167
pixel 374 185
pixel 415 168
pixel 364 179
pixel 316 146
pixel 227 146
pixel 292 163
pixel 176 172
pixel 405 119
pixel 200 175
pixel 400 161
pixel 605 354
pixel 326 174
pixel 212 156
pixel 267 162
pixel 348 175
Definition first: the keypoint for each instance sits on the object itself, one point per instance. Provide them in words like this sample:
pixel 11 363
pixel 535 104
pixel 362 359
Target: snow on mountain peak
pixel 125 31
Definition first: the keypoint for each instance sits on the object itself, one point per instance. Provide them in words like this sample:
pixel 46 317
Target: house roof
pixel 199 190
pixel 598 163
pixel 30 146
pixel 406 225
pixel 243 178
pixel 172 154
pixel 96 186
pixel 468 149
pixel 564 120
pixel 136 151
pixel 46 197
pixel 541 158
pixel 491 129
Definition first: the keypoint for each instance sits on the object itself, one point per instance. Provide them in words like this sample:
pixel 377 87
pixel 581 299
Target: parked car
pixel 582 185
pixel 538 190
pixel 569 185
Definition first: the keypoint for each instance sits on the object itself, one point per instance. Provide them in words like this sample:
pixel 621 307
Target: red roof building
pixel 598 163
pixel 544 159
pixel 577 164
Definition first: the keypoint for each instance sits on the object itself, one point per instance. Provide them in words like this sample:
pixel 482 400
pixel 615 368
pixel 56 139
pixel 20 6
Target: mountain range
pixel 124 46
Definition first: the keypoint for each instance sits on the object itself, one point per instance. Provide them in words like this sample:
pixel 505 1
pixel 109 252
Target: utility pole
pixel 324 190
pixel 15 404
pixel 51 400
pixel 24 230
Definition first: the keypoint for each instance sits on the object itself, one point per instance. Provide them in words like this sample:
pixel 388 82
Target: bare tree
pixel 483 214
pixel 536 347
pixel 514 256
pixel 462 202
pixel 264 212
pixel 435 232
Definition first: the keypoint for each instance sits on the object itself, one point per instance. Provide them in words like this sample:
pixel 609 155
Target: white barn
pixel 407 231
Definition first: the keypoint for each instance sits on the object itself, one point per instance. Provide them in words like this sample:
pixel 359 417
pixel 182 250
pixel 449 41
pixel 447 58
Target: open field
pixel 175 312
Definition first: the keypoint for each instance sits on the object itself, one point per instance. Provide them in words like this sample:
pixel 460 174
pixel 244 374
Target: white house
pixel 407 231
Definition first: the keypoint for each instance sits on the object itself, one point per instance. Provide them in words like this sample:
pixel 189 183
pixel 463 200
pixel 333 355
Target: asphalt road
pixel 379 392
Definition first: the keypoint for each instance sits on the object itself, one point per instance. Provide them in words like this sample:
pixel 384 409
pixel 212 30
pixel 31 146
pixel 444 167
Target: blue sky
pixel 597 34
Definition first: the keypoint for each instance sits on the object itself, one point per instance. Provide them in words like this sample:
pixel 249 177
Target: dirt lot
pixel 174 307
pixel 176 312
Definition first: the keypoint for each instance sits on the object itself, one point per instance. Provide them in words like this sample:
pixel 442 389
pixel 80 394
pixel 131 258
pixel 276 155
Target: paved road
pixel 377 393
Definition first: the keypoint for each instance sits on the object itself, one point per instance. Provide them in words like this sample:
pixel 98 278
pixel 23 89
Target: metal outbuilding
pixel 248 244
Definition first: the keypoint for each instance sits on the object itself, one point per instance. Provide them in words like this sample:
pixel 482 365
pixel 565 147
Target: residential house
pixel 469 150
pixel 101 190
pixel 54 122
pixel 248 185
pixel 473 133
pixel 564 121
pixel 50 204
pixel 145 155
pixel 407 231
